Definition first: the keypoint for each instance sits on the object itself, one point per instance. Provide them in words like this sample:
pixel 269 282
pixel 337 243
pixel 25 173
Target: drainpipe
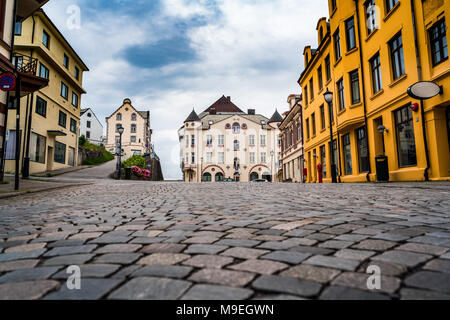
pixel 363 89
pixel 419 78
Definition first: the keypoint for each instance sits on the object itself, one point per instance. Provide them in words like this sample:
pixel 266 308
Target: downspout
pixel 363 90
pixel 419 78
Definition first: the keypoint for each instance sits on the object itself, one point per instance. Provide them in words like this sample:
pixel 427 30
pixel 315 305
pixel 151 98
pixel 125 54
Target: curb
pixel 21 193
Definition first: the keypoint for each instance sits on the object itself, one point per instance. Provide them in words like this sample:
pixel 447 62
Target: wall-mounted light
pixel 382 129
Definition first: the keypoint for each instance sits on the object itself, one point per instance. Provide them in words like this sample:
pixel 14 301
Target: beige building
pixel 50 117
pixel 136 138
pixel 223 142
pixel 30 82
pixel 291 134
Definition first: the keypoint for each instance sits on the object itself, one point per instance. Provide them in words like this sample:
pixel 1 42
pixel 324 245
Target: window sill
pixel 337 61
pixel 323 130
pixel 333 12
pixel 351 51
pixel 390 13
pixel 356 105
pixel 379 93
pixel 328 82
pixel 396 81
pixel 320 91
pixel 341 111
pixel 371 34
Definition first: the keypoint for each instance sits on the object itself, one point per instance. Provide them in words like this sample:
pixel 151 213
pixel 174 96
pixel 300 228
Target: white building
pixel 91 127
pixel 223 142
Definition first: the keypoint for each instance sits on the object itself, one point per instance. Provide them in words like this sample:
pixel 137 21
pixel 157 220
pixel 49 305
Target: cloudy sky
pixel 169 56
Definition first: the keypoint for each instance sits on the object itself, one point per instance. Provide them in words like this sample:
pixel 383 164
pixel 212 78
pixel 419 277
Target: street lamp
pixel 271 164
pixel 120 130
pixel 328 96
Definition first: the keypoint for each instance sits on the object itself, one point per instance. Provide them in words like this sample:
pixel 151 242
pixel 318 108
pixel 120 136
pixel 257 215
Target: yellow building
pixel 53 112
pixel 369 54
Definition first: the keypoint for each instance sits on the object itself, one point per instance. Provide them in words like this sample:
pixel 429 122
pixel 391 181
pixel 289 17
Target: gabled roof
pixel 193 117
pixel 276 117
pixel 83 111
pixel 224 104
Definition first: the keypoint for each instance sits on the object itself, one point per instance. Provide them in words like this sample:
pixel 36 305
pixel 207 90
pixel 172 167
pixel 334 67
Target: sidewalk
pixel 58 172
pixel 32 186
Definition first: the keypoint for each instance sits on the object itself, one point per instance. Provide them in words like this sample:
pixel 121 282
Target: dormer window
pixel 320 35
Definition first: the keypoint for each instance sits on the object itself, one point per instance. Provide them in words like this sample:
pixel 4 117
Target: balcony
pixel 25 64
pixel 26 67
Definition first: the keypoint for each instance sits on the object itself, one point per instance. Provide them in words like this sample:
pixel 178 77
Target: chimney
pixel 251 112
pixel 229 98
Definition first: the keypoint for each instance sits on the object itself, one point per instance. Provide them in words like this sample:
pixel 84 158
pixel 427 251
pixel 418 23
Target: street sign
pixel 7 82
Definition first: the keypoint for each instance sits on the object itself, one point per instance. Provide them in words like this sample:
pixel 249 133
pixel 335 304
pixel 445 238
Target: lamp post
pixel 120 129
pixel 328 96
pixel 271 164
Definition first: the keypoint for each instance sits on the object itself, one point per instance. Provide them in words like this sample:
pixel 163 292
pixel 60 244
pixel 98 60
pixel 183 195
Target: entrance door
pixel 50 159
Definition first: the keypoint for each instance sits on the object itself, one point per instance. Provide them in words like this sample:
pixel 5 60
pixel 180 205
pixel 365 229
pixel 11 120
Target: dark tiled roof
pixel 83 111
pixel 144 114
pixel 224 104
pixel 276 117
pixel 192 117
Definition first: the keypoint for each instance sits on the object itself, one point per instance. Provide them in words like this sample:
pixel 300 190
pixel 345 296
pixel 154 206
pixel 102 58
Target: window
pixel 311 88
pixel 209 140
pixel 236 128
pixel 320 77
pixel 89 115
pixel 252 157
pixel 371 16
pixel 328 67
pixel 18 28
pixel 74 99
pixel 341 96
pixel 333 5
pixel 66 61
pixel 77 73
pixel 11 145
pixel 41 106
pixel 263 157
pixel 337 45
pixel 43 71
pixel 118 126
pixel 209 157
pixel 438 42
pixel 46 39
pixel 88 134
pixel 88 124
pixel 221 157
pixel 133 117
pixel 323 160
pixel 192 140
pixel 322 117
pixel 236 145
pixel 313 123
pixel 307 129
pixel 117 140
pixel 354 86
pixel 133 139
pixel 64 90
pixel 390 4
pixel 37 148
pixel 406 144
pixel 397 60
pixel 187 142
pixel 221 140
pixel 60 152
pixel 350 33
pixel 299 133
pixel 133 128
pixel 306 95
pixel 335 155
pixel 376 73
pixel 263 140
pixel 192 157
pixel 73 125
pixel 363 150
pixel 71 160
pixel 448 126
pixel 62 121
pixel 347 154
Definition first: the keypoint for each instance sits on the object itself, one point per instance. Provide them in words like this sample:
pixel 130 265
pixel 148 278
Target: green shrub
pixel 107 156
pixel 82 140
pixel 134 161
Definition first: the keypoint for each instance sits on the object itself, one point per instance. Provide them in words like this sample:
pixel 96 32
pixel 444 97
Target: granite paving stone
pixel 40 273
pixel 431 280
pixel 440 265
pixel 290 257
pixel 90 271
pixel 346 293
pixel 215 292
pixel 409 259
pixel 376 245
pixel 60 251
pixel 222 277
pixel 163 248
pixel 333 262
pixel 266 267
pixel 312 273
pixel 166 271
pixel 163 258
pixel 287 285
pixel 244 253
pixel 208 261
pixel 91 289
pixel 27 290
pixel 119 248
pixel 359 281
pixel 205 249
pixel 18 264
pixel 118 258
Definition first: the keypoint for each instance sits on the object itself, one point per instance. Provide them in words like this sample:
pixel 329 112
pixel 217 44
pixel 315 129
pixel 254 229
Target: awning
pixel 56 133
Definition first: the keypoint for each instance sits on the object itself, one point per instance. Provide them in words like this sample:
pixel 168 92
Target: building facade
pixel 223 142
pixel 50 117
pixel 291 136
pixel 90 127
pixel 30 81
pixel 369 54
pixel 136 138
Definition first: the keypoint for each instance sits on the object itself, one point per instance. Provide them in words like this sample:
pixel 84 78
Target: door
pixel 50 157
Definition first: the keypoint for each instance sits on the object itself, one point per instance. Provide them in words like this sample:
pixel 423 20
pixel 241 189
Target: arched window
pixel 236 145
pixel 219 176
pixel 236 163
pixel 119 117
pixel 254 176
pixel 236 128
pixel 207 177
pixel 133 117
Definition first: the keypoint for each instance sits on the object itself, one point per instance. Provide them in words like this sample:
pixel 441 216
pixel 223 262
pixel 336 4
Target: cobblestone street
pixel 136 240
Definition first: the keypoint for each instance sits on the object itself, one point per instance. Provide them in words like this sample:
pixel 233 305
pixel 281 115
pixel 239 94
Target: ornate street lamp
pixel 120 130
pixel 328 96
pixel 271 165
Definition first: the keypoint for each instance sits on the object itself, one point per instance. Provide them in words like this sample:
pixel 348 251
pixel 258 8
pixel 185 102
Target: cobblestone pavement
pixel 136 240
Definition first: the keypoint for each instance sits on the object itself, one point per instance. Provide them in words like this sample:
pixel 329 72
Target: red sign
pixel 7 82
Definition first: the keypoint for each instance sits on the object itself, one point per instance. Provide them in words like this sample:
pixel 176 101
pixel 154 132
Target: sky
pixel 170 56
